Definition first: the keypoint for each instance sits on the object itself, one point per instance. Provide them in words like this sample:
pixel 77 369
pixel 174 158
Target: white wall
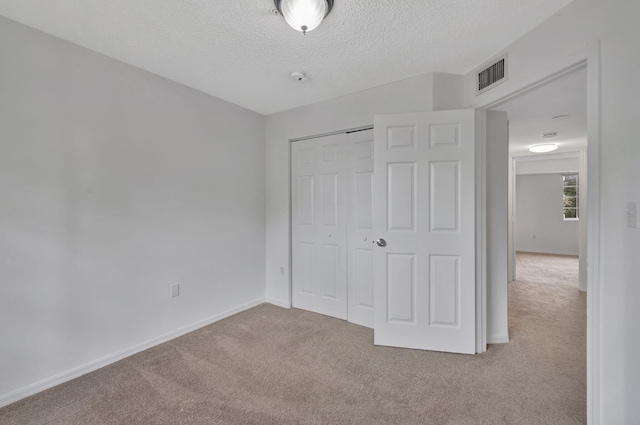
pixel 557 41
pixel 539 223
pixel 115 183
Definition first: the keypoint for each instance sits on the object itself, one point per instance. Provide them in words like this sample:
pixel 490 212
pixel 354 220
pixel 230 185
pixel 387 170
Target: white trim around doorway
pixel 589 57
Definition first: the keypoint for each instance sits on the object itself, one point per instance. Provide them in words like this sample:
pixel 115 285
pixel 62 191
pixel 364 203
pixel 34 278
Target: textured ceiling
pixel 531 114
pixel 239 51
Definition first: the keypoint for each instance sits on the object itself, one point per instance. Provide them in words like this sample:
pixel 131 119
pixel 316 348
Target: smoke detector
pixel 298 76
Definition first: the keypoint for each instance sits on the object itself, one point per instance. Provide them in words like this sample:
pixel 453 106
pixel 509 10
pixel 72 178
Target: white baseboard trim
pixel 535 251
pixel 279 303
pixel 60 378
pixel 498 339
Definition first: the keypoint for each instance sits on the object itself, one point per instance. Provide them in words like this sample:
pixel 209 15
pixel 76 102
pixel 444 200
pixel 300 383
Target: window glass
pixel 570 199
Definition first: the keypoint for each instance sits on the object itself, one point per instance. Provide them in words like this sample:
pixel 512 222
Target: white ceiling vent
pixel 492 74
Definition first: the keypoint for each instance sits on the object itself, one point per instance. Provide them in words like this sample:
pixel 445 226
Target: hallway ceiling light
pixel 549 147
pixel 304 15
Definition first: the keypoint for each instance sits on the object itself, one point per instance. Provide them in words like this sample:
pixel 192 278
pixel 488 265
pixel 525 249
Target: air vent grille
pixel 492 75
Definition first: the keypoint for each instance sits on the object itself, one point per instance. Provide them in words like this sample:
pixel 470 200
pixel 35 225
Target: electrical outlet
pixel 175 290
pixel 632 214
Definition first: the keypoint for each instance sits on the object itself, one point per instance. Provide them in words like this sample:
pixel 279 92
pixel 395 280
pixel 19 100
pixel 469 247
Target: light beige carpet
pixel 269 365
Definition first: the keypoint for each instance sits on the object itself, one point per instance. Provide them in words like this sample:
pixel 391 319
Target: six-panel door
pixel 424 192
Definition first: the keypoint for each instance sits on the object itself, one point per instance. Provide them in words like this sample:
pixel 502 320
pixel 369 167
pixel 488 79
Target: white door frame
pixel 511 218
pixel 591 58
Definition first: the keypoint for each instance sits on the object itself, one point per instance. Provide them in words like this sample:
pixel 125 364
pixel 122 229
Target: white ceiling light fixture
pixel 548 147
pixel 304 15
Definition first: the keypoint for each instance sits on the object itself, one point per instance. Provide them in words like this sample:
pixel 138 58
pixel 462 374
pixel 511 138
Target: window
pixel 570 199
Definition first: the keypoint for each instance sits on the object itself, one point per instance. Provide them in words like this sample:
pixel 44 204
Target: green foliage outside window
pixel 571 200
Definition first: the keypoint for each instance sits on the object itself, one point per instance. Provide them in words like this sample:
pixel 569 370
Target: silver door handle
pixel 381 242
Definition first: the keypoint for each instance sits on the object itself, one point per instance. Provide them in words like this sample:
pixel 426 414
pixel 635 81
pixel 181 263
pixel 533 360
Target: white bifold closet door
pixel 360 240
pixel 332 222
pixel 319 225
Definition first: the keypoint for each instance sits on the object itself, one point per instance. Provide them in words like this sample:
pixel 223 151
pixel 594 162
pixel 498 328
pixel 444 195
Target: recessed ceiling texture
pixel 241 52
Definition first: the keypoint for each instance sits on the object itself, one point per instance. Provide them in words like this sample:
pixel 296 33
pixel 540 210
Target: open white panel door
pixel 424 203
pixel 319 246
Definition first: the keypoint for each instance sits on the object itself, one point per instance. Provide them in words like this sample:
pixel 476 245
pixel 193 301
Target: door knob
pixel 381 242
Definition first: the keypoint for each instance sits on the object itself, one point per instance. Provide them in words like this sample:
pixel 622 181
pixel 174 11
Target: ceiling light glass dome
pixel 304 15
pixel 550 147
